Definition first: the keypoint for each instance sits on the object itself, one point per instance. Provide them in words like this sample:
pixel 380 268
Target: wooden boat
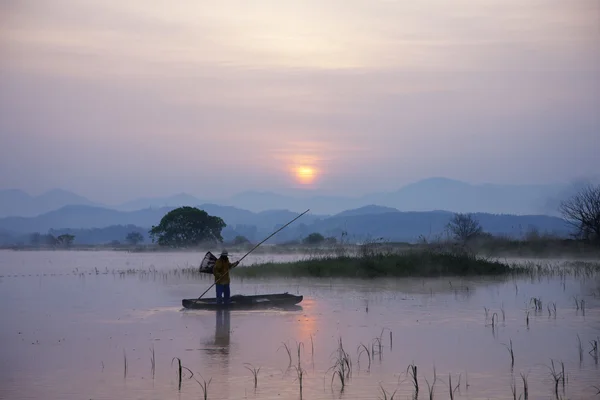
pixel 280 300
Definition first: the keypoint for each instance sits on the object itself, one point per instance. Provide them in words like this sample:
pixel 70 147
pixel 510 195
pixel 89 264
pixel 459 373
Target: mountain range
pixel 425 195
pixel 93 225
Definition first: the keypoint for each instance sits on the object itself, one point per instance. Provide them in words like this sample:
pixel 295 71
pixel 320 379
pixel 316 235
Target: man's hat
pixel 224 253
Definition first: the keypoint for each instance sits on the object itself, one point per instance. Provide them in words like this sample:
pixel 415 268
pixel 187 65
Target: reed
pixel 576 302
pixel 503 313
pixel 556 376
pixel 580 348
pixel 487 312
pixel 594 351
pixel 124 364
pixel 513 389
pixel 552 310
pixel 525 386
pixel 386 394
pixel 204 386
pixel 312 347
pixel 299 377
pixel 152 361
pixel 289 353
pixel 512 354
pixel 412 372
pixel 180 369
pixel 254 371
pixel 583 307
pixel 453 390
pixel 342 368
pixel 361 350
pixel 432 386
pixel 527 319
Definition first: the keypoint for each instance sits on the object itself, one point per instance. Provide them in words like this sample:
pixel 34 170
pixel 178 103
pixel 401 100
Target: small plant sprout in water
pixel 556 376
pixel 512 354
pixel 432 386
pixel 537 302
pixel 299 377
pixel 342 367
pixel 525 386
pixel 580 348
pixel 503 313
pixel 204 386
pixel 254 371
pixel 450 388
pixel 412 372
pixel 152 361
pixel 552 310
pixel 385 395
pixel 363 349
pixel 124 364
pixel 289 353
pixel 487 312
pixel 180 371
pixel 594 351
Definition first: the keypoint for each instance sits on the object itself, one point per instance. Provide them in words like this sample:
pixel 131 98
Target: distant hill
pixel 18 203
pixel 409 226
pixel 366 210
pixel 86 217
pixel 360 224
pixel 425 195
pixel 178 200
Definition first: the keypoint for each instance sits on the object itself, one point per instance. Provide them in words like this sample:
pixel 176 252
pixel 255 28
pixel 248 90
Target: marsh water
pixel 82 325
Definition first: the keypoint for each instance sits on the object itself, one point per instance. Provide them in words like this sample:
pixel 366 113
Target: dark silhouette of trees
pixel 314 238
pixel 582 211
pixel 65 240
pixel 464 227
pixel 134 238
pixel 187 226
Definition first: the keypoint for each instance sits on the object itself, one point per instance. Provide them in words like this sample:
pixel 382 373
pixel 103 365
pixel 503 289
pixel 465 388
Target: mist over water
pixel 75 316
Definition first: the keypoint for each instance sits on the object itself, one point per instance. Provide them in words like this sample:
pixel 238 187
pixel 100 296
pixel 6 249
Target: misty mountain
pixel 16 202
pixel 410 226
pixel 178 200
pixel 425 195
pixel 360 224
pixel 86 217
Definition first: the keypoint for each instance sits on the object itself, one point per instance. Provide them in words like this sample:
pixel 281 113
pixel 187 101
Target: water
pixel 69 320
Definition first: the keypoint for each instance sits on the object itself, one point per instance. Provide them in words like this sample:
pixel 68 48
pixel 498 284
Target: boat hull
pixel 280 300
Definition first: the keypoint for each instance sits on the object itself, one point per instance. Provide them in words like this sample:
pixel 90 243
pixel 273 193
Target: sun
pixel 305 174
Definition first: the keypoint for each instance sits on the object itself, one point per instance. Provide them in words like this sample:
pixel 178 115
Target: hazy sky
pixel 120 99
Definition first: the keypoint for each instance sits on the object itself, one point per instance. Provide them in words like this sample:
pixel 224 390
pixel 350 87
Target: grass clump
pixel 421 263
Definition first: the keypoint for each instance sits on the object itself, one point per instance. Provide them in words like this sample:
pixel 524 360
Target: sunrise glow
pixel 305 175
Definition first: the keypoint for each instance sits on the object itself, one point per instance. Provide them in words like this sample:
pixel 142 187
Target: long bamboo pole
pixel 254 248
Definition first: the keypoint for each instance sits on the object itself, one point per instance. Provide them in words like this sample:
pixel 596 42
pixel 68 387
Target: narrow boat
pixel 280 300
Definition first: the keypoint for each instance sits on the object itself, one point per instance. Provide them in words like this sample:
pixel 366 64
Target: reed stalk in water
pixel 580 349
pixel 289 353
pixel 180 371
pixel 124 364
pixel 363 349
pixel 254 371
pixel 386 394
pixel 412 372
pixel 342 369
pixel 204 386
pixel 432 386
pixel 152 361
pixel 556 376
pixel 512 354
pixel 525 386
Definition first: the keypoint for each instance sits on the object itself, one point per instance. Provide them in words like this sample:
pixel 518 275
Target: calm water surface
pixel 69 320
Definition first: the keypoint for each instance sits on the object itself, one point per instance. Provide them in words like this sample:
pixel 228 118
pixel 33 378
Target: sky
pixel 121 99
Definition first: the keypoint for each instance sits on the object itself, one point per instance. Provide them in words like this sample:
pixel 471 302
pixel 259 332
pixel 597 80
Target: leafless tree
pixel 583 212
pixel 464 227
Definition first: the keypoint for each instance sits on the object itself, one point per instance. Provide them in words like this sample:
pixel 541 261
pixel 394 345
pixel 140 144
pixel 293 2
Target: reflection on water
pixel 64 336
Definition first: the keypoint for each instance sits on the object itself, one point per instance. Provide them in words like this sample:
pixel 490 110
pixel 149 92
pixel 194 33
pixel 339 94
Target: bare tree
pixel 464 227
pixel 583 212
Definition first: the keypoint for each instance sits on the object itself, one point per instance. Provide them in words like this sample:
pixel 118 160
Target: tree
pixel 35 239
pixel 65 240
pixel 582 211
pixel 134 238
pixel 314 238
pixel 464 227
pixel 187 226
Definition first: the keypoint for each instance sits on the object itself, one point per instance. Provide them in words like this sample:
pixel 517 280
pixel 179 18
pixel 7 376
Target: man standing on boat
pixel 221 272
